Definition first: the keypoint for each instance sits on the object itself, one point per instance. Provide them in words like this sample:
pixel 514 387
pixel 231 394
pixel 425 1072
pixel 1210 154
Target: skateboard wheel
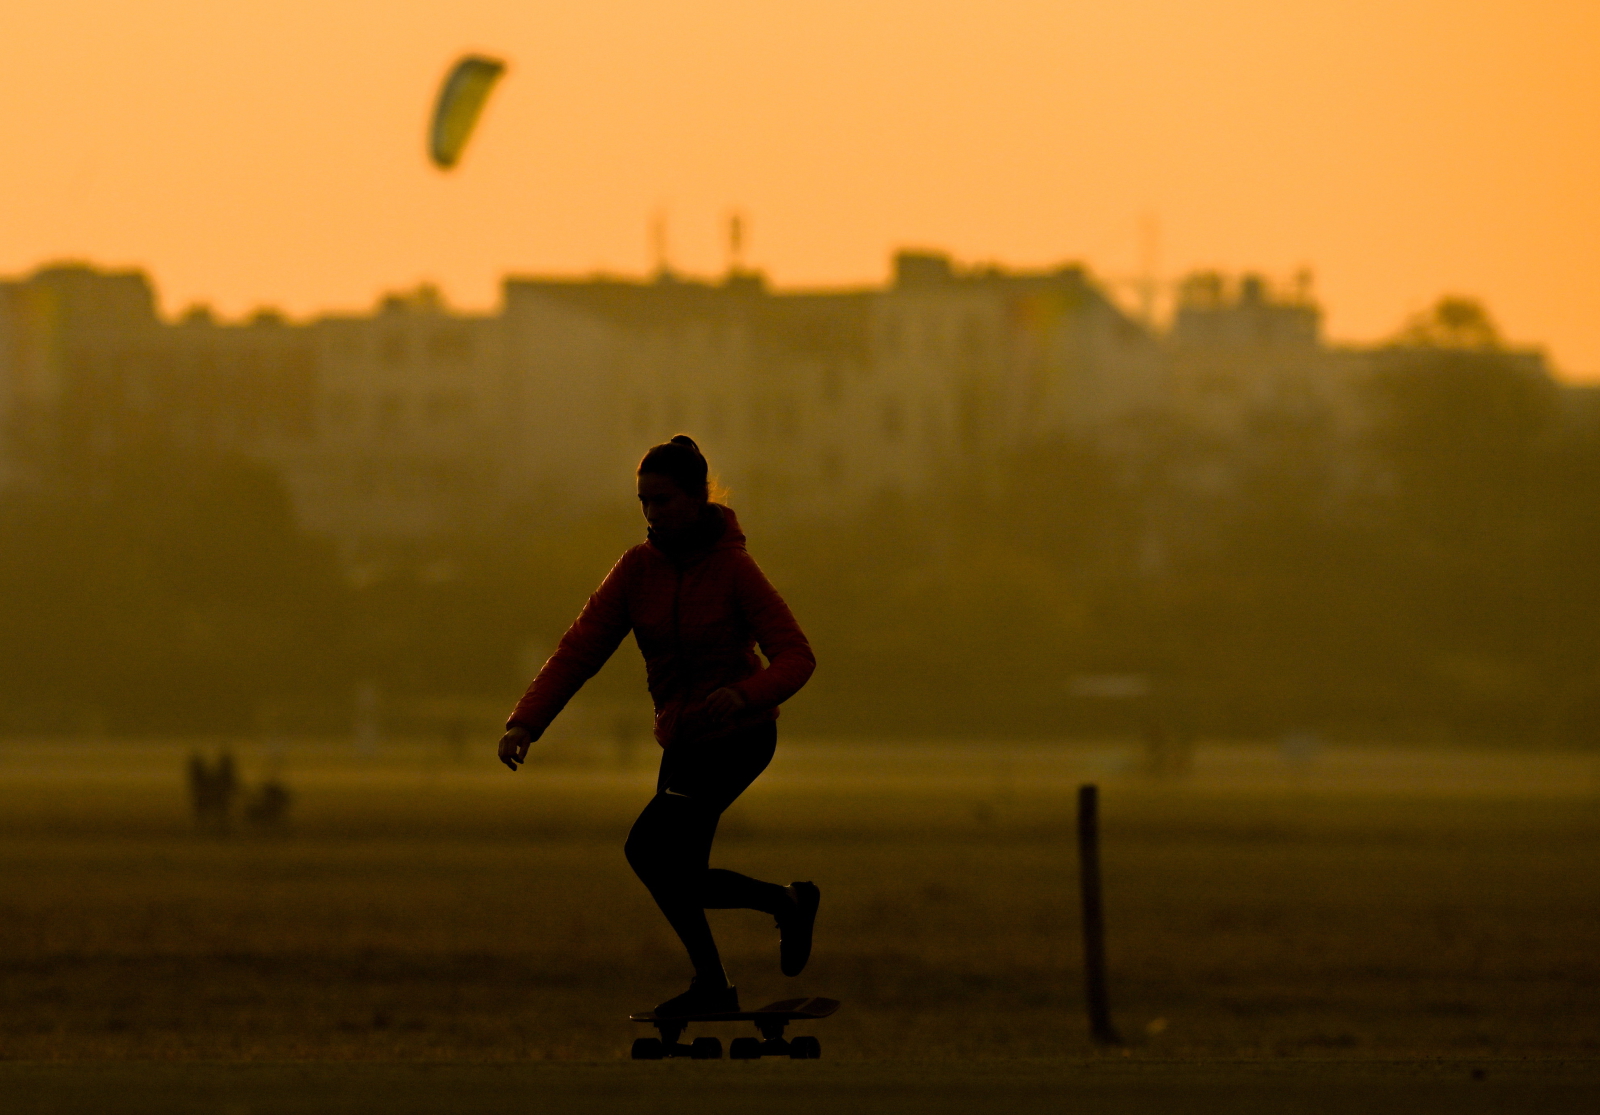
pixel 744 1049
pixel 648 1049
pixel 805 1049
pixel 705 1049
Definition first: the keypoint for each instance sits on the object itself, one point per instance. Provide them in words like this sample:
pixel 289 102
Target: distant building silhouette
pixel 416 421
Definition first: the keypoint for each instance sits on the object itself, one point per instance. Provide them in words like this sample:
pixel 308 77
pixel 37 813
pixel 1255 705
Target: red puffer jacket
pixel 698 613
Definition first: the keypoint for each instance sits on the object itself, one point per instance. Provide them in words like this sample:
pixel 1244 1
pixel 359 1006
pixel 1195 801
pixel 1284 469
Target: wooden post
pixel 1094 930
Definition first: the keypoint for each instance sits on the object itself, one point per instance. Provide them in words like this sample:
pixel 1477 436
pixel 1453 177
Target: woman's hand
pixel 724 703
pixel 514 745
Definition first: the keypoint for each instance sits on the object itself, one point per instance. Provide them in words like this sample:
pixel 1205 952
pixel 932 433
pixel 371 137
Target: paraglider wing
pixel 461 99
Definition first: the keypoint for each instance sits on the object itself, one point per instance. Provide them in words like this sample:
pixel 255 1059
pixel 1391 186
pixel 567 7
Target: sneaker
pixel 794 944
pixel 701 999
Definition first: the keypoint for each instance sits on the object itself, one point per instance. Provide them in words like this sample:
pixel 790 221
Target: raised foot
pixel 795 928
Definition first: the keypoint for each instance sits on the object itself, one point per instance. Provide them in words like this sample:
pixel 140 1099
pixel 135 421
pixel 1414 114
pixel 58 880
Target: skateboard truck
pixel 771 1028
pixel 669 1045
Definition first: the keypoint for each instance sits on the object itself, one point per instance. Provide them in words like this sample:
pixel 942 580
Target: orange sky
pixel 252 153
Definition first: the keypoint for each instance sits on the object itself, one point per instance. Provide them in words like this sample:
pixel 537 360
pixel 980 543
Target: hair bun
pixel 680 461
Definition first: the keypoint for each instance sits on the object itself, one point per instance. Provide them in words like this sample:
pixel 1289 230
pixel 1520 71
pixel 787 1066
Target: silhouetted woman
pixel 698 605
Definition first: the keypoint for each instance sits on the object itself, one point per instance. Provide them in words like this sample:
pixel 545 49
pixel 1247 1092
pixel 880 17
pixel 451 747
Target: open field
pixel 1362 906
pixel 1106 1087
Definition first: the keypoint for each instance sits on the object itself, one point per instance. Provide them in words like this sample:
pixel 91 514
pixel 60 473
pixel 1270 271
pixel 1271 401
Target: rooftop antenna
pixel 1149 264
pixel 658 242
pixel 736 232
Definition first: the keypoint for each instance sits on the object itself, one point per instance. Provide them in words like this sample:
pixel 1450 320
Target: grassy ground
pixel 1363 906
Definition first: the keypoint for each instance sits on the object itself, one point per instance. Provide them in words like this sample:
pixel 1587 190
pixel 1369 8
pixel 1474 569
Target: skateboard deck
pixel 770 1022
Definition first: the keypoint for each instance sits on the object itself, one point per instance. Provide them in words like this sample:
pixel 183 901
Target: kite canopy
pixel 461 99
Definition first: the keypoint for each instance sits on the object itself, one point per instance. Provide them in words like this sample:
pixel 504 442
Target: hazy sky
pixel 252 153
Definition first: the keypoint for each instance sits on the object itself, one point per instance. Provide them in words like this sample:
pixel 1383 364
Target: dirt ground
pixel 1283 1087
pixel 1358 907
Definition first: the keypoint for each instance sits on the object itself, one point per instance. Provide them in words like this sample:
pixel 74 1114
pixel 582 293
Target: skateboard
pixel 770 1021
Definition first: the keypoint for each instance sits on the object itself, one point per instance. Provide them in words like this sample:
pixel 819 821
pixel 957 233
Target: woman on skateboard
pixel 698 606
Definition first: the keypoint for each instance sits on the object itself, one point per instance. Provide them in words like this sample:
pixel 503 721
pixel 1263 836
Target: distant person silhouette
pixel 698 605
pixel 211 791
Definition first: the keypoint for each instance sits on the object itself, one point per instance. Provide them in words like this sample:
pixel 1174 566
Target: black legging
pixel 669 847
